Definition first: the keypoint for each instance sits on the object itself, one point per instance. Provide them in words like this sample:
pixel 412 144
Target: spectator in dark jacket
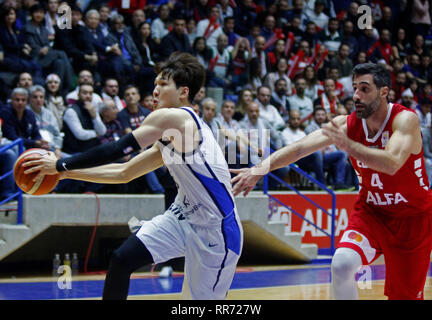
pixel 20 122
pixel 176 40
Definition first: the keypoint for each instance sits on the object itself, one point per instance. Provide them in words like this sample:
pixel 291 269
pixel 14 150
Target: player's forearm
pixel 110 173
pixel 102 154
pixel 375 159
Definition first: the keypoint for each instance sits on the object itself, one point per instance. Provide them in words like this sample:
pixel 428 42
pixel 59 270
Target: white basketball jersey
pixel 202 178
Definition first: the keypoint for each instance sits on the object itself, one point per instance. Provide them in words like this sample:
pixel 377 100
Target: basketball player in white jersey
pixel 202 224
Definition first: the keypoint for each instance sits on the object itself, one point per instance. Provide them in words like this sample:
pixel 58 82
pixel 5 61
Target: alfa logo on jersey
pixel 384 138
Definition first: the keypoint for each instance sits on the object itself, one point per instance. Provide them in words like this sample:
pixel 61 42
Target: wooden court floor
pixel 300 282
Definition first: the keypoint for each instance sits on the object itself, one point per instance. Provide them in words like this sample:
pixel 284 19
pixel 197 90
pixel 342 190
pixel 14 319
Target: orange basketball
pixel 25 181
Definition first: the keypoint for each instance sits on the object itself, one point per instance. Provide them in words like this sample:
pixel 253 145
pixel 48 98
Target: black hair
pixel 185 70
pixel 381 76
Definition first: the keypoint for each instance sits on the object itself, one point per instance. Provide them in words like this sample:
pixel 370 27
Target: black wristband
pixel 102 154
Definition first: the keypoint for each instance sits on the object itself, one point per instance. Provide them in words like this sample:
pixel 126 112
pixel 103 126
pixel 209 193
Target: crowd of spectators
pixel 278 69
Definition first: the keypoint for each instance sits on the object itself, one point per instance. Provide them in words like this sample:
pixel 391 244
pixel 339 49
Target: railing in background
pixel 331 192
pixel 17 194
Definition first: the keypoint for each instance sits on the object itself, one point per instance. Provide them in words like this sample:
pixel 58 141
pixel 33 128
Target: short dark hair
pixel 381 76
pixel 185 70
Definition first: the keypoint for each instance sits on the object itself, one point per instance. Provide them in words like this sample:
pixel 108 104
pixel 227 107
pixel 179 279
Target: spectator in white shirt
pixel 210 28
pixel 110 91
pixel 301 102
pixel 84 77
pixel 267 111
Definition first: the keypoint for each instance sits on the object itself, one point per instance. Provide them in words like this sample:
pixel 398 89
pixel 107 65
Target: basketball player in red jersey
pixel 393 213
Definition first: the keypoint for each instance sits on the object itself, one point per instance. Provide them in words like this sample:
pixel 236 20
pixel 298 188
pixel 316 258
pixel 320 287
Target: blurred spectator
pixel 423 111
pixel 279 98
pixel 51 18
pixel 329 98
pixel 201 10
pixel 54 101
pixel 317 15
pixel 114 129
pixel 202 52
pixel 425 74
pixel 82 124
pixel 399 85
pixel 46 120
pixel 277 53
pixel 349 38
pixel 400 44
pixel 225 117
pixel 17 53
pixel 228 29
pixel 387 21
pixel 268 111
pixel 138 17
pixel 349 105
pixel 104 15
pixel 255 79
pixel 333 73
pixel 311 34
pixel 210 29
pixel 245 97
pixel 240 58
pixel 7 161
pixel 262 136
pixel 259 53
pixel 420 16
pixel 110 92
pixel 176 40
pixel 225 10
pixel 149 56
pixel 342 61
pixel 407 99
pixel 199 97
pixel 300 102
pixel 134 114
pixel 20 122
pixel 244 15
pixel 267 29
pixel 219 64
pixel 160 25
pixel 417 46
pixel 51 60
pixel 254 32
pixel 412 68
pixel 330 36
pixel 25 80
pixel 209 113
pixel 381 51
pixel 185 9
pixel 280 72
pixel 191 30
pixel 293 133
pixel 77 44
pixel 312 84
pixel 147 100
pixel 127 65
pixel 84 77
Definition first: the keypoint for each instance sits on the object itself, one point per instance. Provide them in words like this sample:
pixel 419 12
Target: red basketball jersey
pixel 406 192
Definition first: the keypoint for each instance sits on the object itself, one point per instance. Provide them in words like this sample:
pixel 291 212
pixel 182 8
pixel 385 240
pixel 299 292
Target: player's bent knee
pixel 345 263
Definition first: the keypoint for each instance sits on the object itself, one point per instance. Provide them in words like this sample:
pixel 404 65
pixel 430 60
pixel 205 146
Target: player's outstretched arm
pixel 405 140
pixel 152 129
pixel 145 162
pixel 247 178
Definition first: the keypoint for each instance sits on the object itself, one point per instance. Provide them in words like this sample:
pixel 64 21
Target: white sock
pixel 344 266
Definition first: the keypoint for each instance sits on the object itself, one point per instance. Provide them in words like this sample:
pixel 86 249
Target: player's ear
pixel 384 92
pixel 184 93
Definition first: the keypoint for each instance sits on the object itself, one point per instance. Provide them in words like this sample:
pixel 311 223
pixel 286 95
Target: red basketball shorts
pixel 405 242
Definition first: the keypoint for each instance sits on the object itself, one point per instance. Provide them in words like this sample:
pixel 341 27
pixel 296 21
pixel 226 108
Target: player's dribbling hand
pixel 44 164
pixel 244 181
pixel 336 134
